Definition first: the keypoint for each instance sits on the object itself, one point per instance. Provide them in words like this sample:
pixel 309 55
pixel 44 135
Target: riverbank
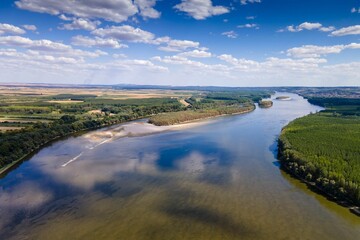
pixel 9 166
pixel 316 188
pixel 314 173
pixel 169 119
pixel 126 129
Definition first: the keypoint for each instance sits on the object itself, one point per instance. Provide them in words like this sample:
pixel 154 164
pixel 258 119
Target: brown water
pixel 214 181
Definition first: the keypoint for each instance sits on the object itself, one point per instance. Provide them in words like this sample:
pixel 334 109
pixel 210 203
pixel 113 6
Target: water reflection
pixel 213 181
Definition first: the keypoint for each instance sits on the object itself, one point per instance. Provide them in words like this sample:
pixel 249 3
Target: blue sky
pixel 181 42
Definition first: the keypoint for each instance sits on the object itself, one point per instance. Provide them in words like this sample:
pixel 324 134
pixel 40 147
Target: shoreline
pixel 344 202
pixel 4 170
pixel 179 126
pixel 207 118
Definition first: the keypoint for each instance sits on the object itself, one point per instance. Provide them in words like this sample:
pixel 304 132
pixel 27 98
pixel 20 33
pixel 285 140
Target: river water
pixel 218 180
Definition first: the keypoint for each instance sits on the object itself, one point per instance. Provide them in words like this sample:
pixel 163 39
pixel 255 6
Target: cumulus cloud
pixel 200 9
pixel 196 54
pixel 81 23
pixel 125 33
pixel 45 45
pixel 44 66
pixel 244 2
pixel 85 41
pixel 352 30
pixel 136 35
pixel 30 27
pixel 272 64
pixel 191 65
pixel 178 45
pixel 10 29
pixel 230 34
pixel 308 26
pixel 146 8
pixel 110 10
pixel 36 56
pixel 313 51
pixel 240 63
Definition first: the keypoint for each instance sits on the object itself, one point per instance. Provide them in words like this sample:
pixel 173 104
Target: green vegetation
pixel 342 106
pixel 265 104
pixel 324 148
pixel 35 119
pixel 212 104
pixel 42 121
pixel 190 115
pixel 282 98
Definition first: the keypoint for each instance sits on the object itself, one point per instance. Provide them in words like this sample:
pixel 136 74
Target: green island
pixel 265 104
pixel 283 98
pixel 33 116
pixel 323 148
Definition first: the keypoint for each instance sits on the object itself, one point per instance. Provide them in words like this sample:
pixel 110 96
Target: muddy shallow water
pixel 218 180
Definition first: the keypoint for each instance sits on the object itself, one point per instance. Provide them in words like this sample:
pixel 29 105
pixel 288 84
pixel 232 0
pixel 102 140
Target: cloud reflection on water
pixel 26 196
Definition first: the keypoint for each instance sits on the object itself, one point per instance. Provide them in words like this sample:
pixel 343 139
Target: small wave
pixel 72 160
pixel 105 141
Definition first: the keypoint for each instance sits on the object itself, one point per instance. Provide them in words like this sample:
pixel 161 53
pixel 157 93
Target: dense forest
pixel 324 148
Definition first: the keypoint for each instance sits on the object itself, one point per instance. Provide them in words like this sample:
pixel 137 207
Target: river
pixel 218 180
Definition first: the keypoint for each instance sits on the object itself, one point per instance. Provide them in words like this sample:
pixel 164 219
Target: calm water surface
pixel 215 181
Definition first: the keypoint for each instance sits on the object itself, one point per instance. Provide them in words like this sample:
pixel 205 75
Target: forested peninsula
pixel 323 148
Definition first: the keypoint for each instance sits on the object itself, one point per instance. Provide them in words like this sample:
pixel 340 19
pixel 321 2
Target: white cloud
pixel 189 65
pixel 352 30
pixel 136 35
pixel 355 10
pixel 308 26
pixel 42 66
pixel 244 2
pixel 313 51
pixel 119 55
pixel 239 63
pixel 327 29
pixel 200 9
pixel 110 10
pixel 177 69
pixel 230 34
pixel 45 45
pixel 178 45
pixel 10 29
pixel 97 42
pixel 249 25
pixel 146 8
pixel 81 23
pixel 125 33
pixel 196 54
pixel 30 27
